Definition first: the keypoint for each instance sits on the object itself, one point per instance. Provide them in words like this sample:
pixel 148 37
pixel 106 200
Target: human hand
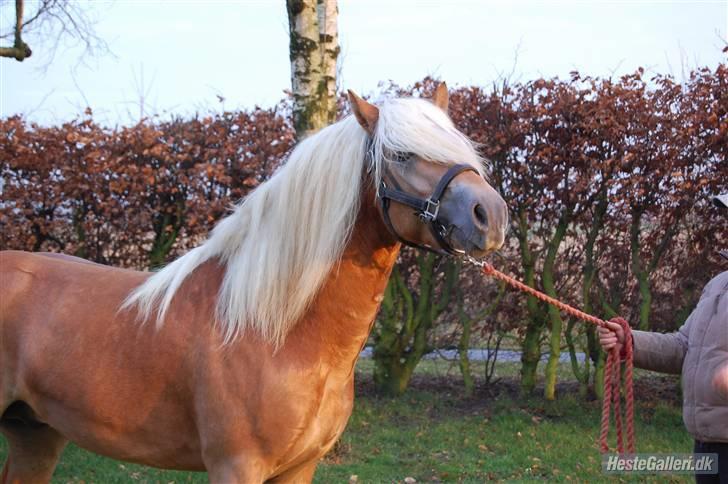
pixel 720 380
pixel 611 336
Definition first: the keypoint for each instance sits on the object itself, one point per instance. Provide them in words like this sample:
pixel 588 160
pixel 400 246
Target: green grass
pixel 434 433
pixel 432 436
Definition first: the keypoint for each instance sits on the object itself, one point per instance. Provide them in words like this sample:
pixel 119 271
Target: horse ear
pixel 367 114
pixel 440 99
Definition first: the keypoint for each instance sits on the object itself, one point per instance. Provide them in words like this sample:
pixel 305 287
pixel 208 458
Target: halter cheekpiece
pixel 428 209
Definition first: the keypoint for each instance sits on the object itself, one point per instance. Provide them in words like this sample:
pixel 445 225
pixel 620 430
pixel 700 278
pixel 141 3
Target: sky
pixel 181 55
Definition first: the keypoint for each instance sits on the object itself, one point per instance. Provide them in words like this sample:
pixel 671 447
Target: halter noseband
pixel 428 210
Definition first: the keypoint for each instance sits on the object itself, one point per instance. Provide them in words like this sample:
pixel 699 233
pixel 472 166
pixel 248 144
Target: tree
pixel 467 318
pixel 602 146
pixel 49 22
pixel 314 50
pixel 418 292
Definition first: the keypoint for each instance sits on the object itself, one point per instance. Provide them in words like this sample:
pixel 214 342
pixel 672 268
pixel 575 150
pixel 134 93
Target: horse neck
pixel 339 321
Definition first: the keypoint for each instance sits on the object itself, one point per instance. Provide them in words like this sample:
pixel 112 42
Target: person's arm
pixel 663 352
pixel 652 351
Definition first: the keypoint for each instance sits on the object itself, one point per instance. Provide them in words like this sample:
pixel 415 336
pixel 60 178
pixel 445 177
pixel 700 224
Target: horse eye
pixel 401 157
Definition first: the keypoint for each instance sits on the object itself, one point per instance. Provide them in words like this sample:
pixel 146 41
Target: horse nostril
pixel 480 216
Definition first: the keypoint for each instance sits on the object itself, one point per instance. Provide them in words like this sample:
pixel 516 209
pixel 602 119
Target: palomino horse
pixel 245 365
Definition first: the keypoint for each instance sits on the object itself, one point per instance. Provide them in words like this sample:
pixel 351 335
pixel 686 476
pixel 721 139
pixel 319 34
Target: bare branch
pixel 52 23
pixel 20 50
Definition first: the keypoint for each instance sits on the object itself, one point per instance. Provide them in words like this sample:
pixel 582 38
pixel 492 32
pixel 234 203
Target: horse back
pixel 47 298
pixel 33 283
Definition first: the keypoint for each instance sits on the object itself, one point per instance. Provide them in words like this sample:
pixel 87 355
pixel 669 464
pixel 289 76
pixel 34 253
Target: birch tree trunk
pixel 314 49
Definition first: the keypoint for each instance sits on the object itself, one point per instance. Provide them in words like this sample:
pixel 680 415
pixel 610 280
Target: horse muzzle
pixel 476 217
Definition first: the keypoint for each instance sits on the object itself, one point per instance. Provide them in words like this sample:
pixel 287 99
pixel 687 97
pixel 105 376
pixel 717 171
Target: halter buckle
pixel 429 213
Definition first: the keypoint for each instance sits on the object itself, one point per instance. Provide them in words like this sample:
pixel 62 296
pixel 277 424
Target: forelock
pixel 411 125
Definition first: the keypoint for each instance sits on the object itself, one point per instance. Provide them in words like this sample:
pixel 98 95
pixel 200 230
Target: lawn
pixel 433 433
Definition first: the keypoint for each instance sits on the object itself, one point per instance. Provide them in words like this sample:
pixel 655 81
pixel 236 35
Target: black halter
pixel 427 210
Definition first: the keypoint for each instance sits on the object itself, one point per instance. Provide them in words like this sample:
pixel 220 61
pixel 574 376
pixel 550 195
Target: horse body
pixel 196 402
pixel 248 372
pixel 86 387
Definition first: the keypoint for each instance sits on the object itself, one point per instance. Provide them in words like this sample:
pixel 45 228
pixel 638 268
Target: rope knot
pixel 488 269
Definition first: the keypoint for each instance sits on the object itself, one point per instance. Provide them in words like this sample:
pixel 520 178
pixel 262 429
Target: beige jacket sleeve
pixel 663 352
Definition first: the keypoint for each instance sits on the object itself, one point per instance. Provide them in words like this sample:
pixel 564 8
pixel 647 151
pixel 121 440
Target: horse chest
pixel 322 426
pixel 284 416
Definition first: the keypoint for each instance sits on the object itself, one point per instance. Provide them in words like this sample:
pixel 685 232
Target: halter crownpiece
pixel 427 209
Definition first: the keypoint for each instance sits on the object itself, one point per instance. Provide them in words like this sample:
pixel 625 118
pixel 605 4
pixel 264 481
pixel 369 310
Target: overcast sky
pixel 183 54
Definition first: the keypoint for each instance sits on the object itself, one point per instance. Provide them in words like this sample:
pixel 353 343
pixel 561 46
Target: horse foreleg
pixel 240 470
pixel 301 474
pixel 34 450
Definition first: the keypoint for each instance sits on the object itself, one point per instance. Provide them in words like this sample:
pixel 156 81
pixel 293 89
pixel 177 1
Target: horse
pixel 238 357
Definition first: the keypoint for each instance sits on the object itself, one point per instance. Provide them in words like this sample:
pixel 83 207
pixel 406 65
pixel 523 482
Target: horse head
pixel 440 204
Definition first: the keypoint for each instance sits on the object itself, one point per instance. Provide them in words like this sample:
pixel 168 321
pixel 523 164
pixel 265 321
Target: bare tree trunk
pixel 406 319
pixel 549 287
pixel 314 49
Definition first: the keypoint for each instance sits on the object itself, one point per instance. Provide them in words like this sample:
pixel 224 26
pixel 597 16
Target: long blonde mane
pixel 280 243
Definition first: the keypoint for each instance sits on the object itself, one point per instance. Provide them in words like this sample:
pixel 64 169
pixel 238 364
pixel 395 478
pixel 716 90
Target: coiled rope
pixel 612 368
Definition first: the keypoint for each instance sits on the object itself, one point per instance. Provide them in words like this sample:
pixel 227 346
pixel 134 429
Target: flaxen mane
pixel 280 243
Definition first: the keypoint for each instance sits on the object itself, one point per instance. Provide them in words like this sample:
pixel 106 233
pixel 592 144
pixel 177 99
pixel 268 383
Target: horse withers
pixel 238 357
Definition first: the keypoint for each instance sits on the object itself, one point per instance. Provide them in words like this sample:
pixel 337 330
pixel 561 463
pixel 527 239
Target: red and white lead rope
pixel 612 370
